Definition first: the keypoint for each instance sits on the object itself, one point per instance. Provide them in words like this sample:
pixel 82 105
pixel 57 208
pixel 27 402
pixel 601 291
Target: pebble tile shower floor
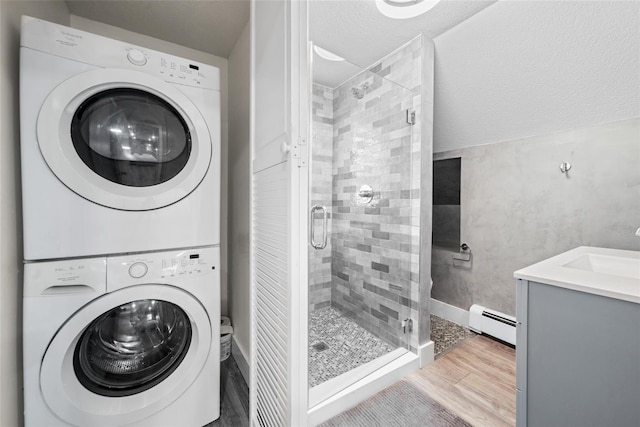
pixel 446 335
pixel 337 344
pixel 348 345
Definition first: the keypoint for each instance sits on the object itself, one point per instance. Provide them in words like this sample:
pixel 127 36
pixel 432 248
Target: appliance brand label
pixel 68 39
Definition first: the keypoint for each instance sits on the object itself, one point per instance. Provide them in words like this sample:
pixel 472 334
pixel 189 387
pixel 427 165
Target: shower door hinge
pixel 407 326
pixel 299 151
pixel 411 117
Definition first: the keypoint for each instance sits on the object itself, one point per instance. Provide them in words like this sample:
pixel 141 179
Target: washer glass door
pixel 131 348
pixel 131 137
pixel 126 355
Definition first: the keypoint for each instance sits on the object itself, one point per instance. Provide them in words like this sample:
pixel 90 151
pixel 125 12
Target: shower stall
pixel 341 225
pixel 364 225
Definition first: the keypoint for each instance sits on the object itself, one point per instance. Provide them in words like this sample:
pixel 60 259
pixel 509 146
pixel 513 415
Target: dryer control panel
pixel 103 52
pixel 170 267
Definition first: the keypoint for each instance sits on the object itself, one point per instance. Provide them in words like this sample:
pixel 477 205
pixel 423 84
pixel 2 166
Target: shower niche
pixel 446 203
pixel 365 198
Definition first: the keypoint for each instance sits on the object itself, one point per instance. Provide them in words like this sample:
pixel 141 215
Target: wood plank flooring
pixel 234 397
pixel 475 380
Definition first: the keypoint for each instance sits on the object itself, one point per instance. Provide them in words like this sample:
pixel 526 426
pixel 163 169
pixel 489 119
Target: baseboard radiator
pixel 490 322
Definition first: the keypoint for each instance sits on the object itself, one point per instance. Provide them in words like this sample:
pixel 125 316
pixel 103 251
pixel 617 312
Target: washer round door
pixel 124 139
pixel 125 356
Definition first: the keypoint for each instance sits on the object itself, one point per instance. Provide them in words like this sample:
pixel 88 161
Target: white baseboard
pixel 450 312
pixel 426 352
pixel 241 360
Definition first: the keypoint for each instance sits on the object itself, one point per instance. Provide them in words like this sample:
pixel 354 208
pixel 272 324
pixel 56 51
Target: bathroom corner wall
pixel 375 246
pixel 517 208
pixel 321 188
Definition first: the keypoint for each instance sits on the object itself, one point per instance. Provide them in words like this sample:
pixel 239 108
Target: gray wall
pixel 520 88
pixel 517 207
pixel 10 194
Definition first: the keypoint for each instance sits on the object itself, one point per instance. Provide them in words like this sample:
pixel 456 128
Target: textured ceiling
pixel 355 30
pixel 211 26
pixel 529 68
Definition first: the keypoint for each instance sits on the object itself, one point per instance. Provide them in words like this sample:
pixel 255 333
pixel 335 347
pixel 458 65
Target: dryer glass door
pixel 127 140
pixel 131 137
pixel 131 348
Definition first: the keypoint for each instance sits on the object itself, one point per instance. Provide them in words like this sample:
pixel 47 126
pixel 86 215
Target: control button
pixel 136 57
pixel 138 270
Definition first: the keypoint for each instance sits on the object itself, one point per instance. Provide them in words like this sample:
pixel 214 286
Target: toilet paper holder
pixel 465 253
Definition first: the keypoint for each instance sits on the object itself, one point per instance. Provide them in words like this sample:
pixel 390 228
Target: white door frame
pixel 279 194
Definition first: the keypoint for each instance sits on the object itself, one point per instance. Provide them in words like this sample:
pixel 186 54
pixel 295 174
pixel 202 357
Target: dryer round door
pixel 124 139
pixel 125 356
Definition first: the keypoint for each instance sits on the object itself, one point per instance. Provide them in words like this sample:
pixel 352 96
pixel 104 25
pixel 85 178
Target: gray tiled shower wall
pixel 322 181
pixel 369 270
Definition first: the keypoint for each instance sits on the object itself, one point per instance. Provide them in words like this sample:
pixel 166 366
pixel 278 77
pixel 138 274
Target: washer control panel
pixel 138 269
pixel 184 265
pixel 170 267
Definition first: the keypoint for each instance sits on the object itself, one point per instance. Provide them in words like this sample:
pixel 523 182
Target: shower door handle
pixel 312 233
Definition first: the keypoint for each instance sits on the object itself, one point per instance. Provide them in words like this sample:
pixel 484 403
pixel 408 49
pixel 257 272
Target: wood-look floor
pixel 234 397
pixel 475 380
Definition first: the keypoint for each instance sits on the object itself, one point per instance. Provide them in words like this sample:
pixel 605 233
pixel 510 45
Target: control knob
pixel 138 270
pixel 136 57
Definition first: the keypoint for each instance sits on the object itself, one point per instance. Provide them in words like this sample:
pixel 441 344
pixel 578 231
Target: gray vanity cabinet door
pixel 581 359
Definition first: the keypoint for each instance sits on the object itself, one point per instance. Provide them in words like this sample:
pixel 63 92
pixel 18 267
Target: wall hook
pixel 565 167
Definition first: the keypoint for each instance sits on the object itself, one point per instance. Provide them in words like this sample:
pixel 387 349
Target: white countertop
pixel 612 273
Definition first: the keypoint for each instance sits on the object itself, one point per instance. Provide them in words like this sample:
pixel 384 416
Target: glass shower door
pixel 363 229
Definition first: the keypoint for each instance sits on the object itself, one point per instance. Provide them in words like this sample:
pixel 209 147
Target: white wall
pixel 10 195
pixel 527 68
pixel 239 194
pixel 206 58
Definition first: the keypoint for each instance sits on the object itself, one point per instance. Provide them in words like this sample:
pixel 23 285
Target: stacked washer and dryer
pixel 120 151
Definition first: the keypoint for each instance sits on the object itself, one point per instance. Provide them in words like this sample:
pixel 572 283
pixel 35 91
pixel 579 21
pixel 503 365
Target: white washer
pixel 120 146
pixel 123 341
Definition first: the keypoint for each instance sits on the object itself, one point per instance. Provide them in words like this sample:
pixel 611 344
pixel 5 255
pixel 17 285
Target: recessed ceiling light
pixel 403 9
pixel 323 53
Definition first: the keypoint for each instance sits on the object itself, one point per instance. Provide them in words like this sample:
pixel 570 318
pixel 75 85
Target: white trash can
pixel 226 330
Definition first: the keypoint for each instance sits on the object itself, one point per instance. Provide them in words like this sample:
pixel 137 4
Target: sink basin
pixel 613 273
pixel 604 264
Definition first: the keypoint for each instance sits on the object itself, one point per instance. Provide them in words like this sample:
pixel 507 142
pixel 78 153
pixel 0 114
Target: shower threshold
pixel 347 390
pixel 330 387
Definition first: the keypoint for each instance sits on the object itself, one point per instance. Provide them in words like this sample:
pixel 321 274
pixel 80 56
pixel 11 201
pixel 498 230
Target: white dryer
pixel 120 146
pixel 123 341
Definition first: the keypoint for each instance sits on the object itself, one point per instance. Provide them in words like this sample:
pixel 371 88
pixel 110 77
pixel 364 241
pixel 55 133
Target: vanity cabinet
pixel 577 357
